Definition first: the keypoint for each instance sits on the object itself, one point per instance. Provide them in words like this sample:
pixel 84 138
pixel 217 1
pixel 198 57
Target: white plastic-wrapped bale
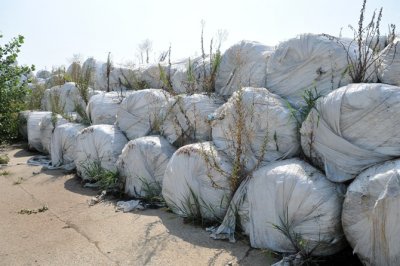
pixel 377 43
pixel 191 76
pixel 196 182
pixel 142 164
pixel 286 206
pixel 140 112
pixel 186 118
pixel 294 194
pixel 74 71
pixel 352 129
pixel 103 108
pixel 43 74
pixel 98 145
pixel 309 62
pixel 34 137
pixel 126 77
pixel 242 65
pixel 55 80
pixel 63 144
pixel 23 123
pixel 389 67
pixel 98 72
pixel 65 97
pixel 256 127
pixel 45 103
pixel 371 214
pixel 47 125
pixel 153 74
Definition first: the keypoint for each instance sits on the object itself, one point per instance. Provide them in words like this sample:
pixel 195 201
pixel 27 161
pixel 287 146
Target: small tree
pixel 13 88
pixel 144 49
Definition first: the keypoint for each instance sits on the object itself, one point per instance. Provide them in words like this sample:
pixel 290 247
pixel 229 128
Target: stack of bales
pixel 353 134
pixel 347 134
pixel 214 159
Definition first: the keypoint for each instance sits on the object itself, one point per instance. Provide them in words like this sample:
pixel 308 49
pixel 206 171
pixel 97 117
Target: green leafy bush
pixel 13 88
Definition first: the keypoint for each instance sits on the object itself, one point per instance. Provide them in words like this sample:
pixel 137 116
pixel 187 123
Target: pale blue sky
pixel 54 30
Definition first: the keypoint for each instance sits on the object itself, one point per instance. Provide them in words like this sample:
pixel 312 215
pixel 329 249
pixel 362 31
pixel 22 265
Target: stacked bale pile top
pixel 191 76
pixel 309 62
pixel 66 98
pixel 389 64
pixel 140 112
pixel 242 65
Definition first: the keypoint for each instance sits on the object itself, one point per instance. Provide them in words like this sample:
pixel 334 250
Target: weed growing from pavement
pixel 19 181
pixel 4 173
pixel 34 211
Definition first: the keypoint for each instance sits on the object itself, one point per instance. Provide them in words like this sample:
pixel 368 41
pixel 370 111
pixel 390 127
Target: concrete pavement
pixel 72 233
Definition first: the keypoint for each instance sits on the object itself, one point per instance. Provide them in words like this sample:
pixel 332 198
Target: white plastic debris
pixel 255 126
pixel 285 206
pixel 196 182
pixel 34 136
pixel 142 164
pixel 242 65
pixel 40 160
pixel 63 145
pixel 186 118
pixel 352 129
pixel 128 206
pixel 389 64
pixel 371 214
pixel 140 112
pixel 309 62
pixel 98 145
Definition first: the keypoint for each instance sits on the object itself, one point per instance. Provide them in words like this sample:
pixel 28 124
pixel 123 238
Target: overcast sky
pixel 54 30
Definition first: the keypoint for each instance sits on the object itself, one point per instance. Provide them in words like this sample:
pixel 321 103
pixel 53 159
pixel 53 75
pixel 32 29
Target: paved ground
pixel 72 233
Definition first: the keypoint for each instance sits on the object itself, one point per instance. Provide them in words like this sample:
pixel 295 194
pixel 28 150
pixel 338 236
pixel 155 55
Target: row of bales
pixel 284 143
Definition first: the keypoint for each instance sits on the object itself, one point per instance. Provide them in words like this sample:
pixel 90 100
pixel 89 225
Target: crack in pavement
pixel 82 233
pixel 75 227
pixel 212 261
pixel 245 255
